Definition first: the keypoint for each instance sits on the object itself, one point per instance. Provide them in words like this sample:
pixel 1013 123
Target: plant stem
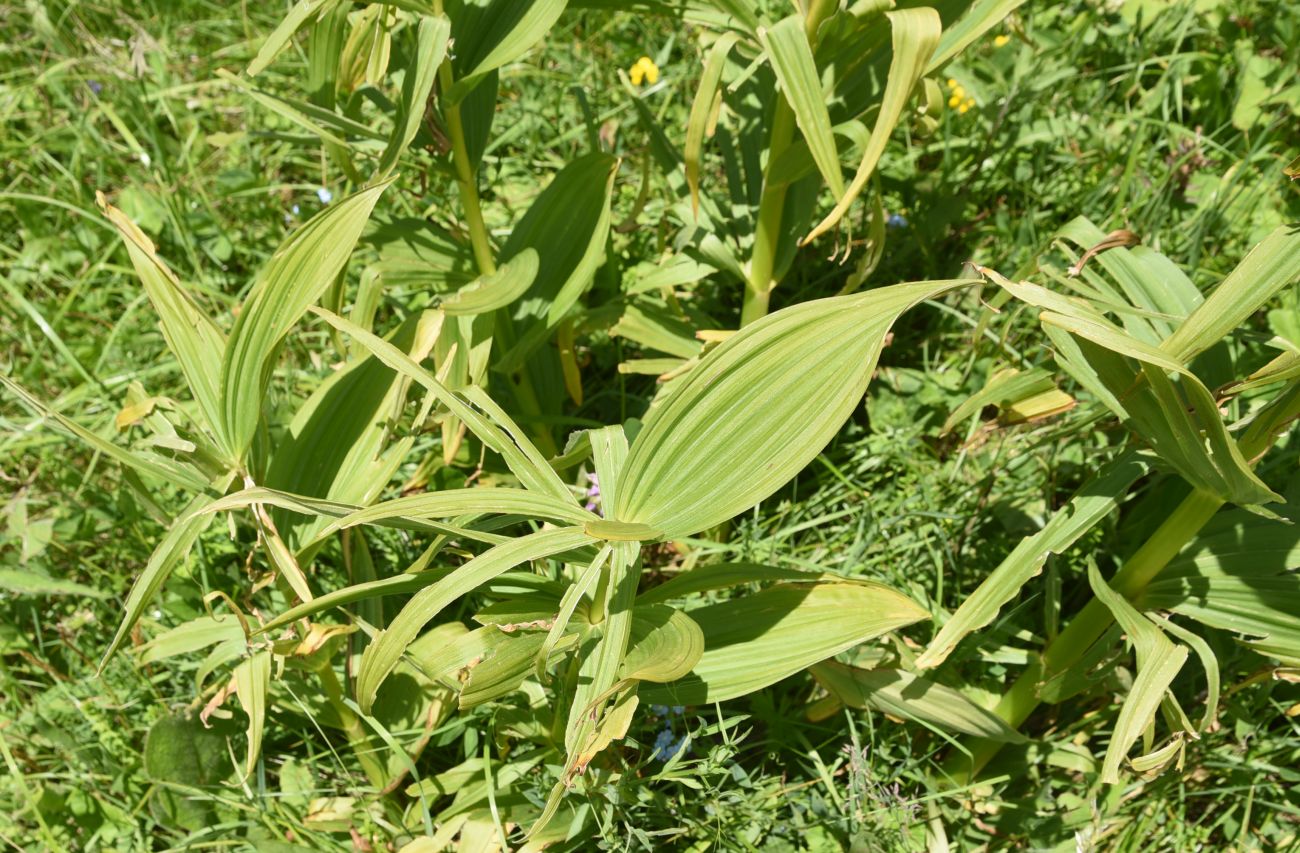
pixel 1085 629
pixel 466 179
pixel 352 727
pixel 771 204
pixel 767 235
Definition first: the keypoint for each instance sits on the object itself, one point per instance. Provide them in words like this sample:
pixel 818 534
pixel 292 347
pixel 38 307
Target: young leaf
pixel 1159 661
pixel 758 409
pixel 430 49
pixel 296 276
pixel 1269 267
pixel 915 37
pixel 665 645
pixel 386 649
pixel 757 640
pixel 301 12
pixel 170 551
pixel 191 334
pixel 252 680
pixel 792 60
pixel 706 94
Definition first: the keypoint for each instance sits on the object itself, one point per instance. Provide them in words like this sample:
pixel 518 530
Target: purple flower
pixel 95 86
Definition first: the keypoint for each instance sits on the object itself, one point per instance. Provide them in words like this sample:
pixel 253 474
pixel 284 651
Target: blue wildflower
pixel 294 209
pixel 96 86
pixel 324 195
pixel 659 710
pixel 896 220
pixel 668 746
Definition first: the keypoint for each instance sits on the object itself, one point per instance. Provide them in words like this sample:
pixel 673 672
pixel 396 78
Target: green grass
pixel 1133 119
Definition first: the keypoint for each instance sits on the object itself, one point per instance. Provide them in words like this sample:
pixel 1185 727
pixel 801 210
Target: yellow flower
pixel 954 101
pixel 999 41
pixel 966 105
pixel 952 83
pixel 644 69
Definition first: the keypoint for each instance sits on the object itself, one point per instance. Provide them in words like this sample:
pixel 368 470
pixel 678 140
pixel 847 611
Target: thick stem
pixel 767 234
pixel 352 727
pixel 466 180
pixel 1085 629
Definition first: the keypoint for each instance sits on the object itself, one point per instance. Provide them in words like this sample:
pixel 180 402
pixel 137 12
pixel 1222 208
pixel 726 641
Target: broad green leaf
pixel 501 673
pixel 568 227
pixel 755 641
pixel 301 12
pixel 491 33
pixel 911 697
pixel 252 681
pixel 153 466
pixel 1269 267
pixel 792 60
pixel 198 633
pixel 757 409
pixel 915 37
pixel 656 327
pixel 724 576
pixel 386 649
pixel 496 289
pixel 430 49
pixel 523 459
pixel 1159 661
pixel 702 107
pixel 185 753
pixel 24 582
pixel 295 277
pixel 665 645
pixel 191 334
pixel 170 551
pixel 609 455
pixel 1095 500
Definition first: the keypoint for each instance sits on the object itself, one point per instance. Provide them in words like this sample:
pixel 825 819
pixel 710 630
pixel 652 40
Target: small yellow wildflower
pixel 954 101
pixel 966 105
pixel 644 69
pixel 1000 41
pixel 952 83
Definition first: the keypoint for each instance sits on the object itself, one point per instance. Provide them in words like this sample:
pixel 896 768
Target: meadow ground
pixel 1174 121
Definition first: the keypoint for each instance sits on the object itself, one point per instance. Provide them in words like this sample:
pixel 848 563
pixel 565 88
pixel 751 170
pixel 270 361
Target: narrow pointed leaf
pixel 1098 498
pixel 293 280
pixel 190 333
pixel 524 460
pixel 702 108
pixel 792 60
pixel 430 50
pixel 1159 661
pixel 915 37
